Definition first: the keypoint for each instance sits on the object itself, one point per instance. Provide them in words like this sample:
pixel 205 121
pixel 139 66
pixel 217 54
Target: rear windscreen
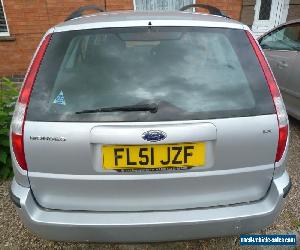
pixel 189 72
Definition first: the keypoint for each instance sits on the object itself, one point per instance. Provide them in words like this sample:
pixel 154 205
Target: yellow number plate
pixel 153 156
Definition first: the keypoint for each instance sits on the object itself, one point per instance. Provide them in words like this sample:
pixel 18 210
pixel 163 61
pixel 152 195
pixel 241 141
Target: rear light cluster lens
pixel 277 99
pixel 17 125
pixel 18 118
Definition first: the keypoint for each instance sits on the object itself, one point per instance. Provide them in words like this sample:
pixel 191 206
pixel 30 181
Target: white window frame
pixel 278 15
pixel 134 5
pixel 6 33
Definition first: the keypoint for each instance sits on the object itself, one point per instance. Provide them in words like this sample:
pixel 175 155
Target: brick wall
pixel 29 19
pixel 231 8
pixel 247 13
pixel 294 10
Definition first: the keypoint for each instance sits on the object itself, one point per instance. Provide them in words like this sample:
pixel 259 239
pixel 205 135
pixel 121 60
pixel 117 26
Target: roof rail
pixel 79 11
pixel 212 10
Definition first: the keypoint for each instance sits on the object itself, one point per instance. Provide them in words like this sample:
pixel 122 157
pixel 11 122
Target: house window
pixel 265 9
pixel 160 5
pixel 3 23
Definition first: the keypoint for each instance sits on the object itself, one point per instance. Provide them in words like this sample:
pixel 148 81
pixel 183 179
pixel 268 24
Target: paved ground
pixel 14 235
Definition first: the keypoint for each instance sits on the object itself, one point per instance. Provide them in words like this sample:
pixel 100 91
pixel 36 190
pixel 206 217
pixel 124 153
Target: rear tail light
pixel 277 99
pixel 17 125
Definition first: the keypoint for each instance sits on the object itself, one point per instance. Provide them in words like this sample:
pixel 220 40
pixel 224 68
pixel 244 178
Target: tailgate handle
pixel 133 134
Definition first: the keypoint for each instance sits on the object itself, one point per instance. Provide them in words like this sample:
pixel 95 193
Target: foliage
pixel 8 97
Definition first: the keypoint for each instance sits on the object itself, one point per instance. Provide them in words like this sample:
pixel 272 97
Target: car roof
pixel 136 18
pixel 292 21
pixel 279 26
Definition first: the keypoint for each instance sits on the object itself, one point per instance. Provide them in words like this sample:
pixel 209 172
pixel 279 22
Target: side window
pixel 3 23
pixel 284 38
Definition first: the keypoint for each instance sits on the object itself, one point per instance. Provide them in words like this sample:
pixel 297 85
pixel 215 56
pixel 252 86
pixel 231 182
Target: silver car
pixel 140 127
pixel 282 49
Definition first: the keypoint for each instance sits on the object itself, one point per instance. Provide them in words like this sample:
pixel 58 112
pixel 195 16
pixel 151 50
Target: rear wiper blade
pixel 153 107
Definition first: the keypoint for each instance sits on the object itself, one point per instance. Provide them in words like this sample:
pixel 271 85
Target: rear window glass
pixel 189 72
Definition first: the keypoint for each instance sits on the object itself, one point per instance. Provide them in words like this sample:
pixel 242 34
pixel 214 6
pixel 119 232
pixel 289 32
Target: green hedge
pixel 8 97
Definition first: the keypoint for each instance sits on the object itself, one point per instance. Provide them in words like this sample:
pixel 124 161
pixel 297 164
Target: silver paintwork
pixel 71 198
pixel 150 225
pixel 135 19
pixel 240 165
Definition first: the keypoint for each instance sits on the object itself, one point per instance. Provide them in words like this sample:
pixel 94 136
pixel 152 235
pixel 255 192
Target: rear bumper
pixel 151 225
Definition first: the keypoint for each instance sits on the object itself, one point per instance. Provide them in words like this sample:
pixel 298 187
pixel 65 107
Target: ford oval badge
pixel 154 135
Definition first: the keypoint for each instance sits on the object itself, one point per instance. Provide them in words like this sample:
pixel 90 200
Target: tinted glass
pixel 285 38
pixel 190 72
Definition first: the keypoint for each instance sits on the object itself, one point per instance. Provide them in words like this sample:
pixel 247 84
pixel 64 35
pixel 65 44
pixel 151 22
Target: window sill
pixel 7 38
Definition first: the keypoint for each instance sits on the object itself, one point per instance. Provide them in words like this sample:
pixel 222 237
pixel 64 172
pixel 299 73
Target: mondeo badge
pixel 47 138
pixel 154 135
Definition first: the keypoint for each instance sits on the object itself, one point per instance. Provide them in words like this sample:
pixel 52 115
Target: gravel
pixel 14 235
